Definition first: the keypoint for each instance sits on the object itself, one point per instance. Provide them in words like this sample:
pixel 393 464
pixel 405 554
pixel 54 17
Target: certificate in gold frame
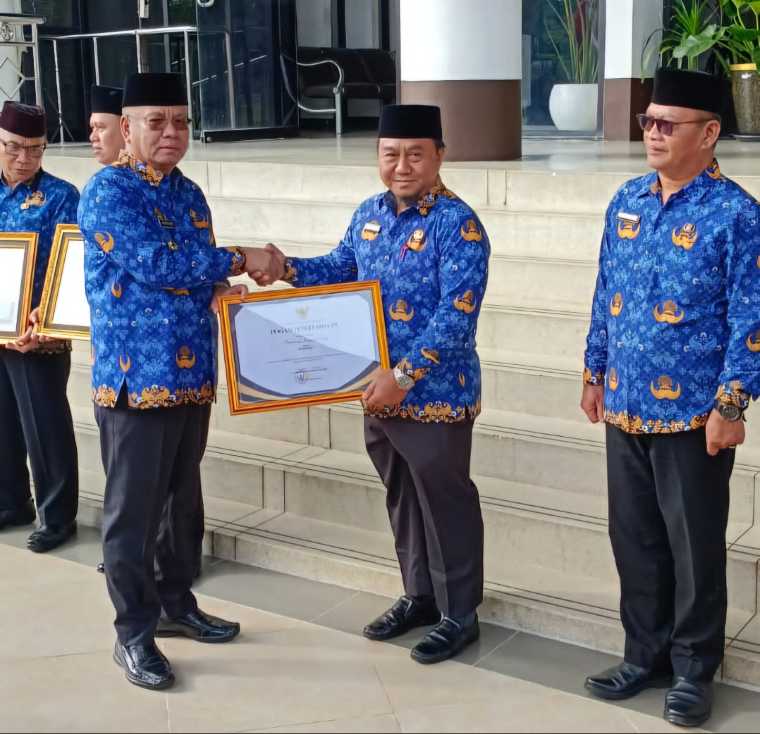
pixel 246 398
pixel 21 250
pixel 50 324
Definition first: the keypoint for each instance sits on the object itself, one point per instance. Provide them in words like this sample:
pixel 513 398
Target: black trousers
pixel 153 502
pixel 668 512
pixel 434 508
pixel 35 420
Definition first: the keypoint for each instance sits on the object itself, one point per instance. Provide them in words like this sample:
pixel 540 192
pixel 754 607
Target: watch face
pixel 730 412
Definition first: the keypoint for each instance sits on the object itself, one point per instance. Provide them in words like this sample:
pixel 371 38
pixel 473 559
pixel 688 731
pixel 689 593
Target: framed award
pixel 64 311
pixel 302 346
pixel 18 256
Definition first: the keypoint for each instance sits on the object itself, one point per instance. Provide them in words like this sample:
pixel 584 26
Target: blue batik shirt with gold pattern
pixel 432 263
pixel 676 314
pixel 38 205
pixel 150 269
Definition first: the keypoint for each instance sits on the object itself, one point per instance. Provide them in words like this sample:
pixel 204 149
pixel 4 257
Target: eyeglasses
pixel 666 127
pixel 14 150
pixel 158 123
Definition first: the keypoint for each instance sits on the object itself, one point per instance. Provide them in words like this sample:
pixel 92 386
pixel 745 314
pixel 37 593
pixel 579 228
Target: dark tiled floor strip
pixel 557 665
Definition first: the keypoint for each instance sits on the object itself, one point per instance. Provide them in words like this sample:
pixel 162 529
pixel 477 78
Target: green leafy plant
pixel 694 30
pixel 741 41
pixel 578 23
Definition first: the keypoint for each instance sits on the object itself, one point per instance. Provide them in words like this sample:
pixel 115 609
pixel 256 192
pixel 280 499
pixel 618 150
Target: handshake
pixel 264 265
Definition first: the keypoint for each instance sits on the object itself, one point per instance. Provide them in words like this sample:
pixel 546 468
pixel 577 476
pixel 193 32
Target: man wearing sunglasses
pixel 35 418
pixel 671 364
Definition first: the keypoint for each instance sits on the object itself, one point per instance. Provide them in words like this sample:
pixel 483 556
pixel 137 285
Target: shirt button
pixel 134 324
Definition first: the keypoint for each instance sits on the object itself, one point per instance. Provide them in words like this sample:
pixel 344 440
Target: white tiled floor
pixel 57 674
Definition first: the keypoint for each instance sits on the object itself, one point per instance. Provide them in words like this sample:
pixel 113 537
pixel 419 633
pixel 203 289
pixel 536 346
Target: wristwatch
pixel 729 411
pixel 404 381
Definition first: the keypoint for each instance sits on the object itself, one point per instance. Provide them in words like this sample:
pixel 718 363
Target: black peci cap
pixel 693 89
pixel 26 120
pixel 410 121
pixel 106 99
pixel 154 90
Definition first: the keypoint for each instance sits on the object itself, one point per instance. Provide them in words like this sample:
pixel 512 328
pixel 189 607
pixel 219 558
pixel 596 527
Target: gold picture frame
pixel 272 347
pixel 18 258
pixel 65 274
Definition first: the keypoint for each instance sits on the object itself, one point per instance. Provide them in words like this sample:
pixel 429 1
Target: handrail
pixel 337 90
pixel 137 34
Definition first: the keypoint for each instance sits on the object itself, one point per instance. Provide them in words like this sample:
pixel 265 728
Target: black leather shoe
pixel 446 639
pixel 198 626
pixel 23 515
pixel 144 666
pixel 624 681
pixel 688 702
pixel 404 615
pixel 49 537
pixel 101 567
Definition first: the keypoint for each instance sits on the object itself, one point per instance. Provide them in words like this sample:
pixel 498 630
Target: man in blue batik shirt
pixel 152 274
pixel 35 417
pixel 430 253
pixel 671 364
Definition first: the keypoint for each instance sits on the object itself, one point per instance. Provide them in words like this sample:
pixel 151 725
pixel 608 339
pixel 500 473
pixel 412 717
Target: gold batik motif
pixel 636 424
pixel 430 413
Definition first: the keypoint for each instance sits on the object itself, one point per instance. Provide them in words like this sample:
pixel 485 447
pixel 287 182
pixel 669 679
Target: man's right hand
pixel 592 402
pixel 264 265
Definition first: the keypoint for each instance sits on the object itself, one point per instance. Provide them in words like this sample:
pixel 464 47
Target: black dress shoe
pixel 198 626
pixel 49 537
pixel 445 640
pixel 624 681
pixel 144 666
pixel 404 615
pixel 101 567
pixel 23 515
pixel 688 702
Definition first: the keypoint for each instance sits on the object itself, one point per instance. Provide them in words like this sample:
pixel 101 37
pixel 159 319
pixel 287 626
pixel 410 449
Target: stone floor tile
pixel 285 678
pixel 279 593
pixel 373 725
pixel 549 662
pixel 544 711
pixel 76 693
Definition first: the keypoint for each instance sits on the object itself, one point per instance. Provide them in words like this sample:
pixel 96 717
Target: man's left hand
pixel 383 392
pixel 29 340
pixel 223 290
pixel 723 434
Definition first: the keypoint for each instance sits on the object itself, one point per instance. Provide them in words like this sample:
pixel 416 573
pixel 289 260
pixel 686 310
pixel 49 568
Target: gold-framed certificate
pixel 64 311
pixel 302 346
pixel 18 256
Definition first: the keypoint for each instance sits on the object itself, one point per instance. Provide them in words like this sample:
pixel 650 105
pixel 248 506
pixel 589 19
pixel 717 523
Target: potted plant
pixel 573 104
pixel 741 43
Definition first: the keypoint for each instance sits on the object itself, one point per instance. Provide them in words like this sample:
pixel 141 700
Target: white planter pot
pixel 574 106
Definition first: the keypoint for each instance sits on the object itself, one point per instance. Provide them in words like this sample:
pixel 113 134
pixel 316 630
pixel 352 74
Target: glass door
pixel 244 49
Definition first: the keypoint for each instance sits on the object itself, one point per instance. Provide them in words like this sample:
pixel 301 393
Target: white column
pixel 467 58
pixel 9 78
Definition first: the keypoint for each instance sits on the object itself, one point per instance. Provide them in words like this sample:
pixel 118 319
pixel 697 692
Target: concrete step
pixel 524 522
pixel 528 234
pixel 570 605
pixel 524 281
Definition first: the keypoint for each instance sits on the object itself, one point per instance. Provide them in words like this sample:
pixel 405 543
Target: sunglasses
pixel 666 127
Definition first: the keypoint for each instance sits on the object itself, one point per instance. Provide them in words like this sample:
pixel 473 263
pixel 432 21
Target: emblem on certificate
pixel 18 255
pixel 64 311
pixel 305 346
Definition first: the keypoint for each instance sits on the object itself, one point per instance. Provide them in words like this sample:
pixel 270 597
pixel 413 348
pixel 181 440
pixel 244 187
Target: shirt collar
pixel 31 185
pixel 425 203
pixel 694 190
pixel 144 170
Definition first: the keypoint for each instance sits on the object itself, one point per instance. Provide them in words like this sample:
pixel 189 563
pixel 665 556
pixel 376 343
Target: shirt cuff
pixel 732 393
pixel 593 376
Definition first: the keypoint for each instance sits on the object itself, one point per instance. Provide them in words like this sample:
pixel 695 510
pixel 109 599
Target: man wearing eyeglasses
pixel 153 274
pixel 670 366
pixel 35 418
